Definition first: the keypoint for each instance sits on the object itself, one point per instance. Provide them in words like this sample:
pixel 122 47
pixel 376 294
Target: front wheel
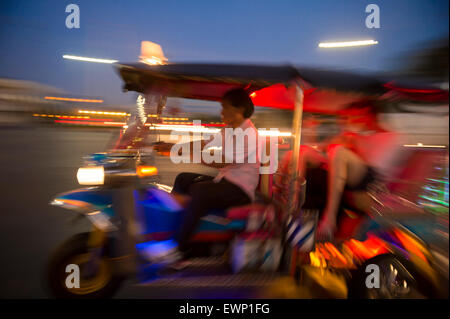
pixel 103 283
pixel 394 278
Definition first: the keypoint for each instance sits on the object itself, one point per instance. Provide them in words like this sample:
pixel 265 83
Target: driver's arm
pixel 166 147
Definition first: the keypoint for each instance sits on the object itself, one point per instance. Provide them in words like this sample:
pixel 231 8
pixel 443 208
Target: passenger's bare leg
pixel 345 168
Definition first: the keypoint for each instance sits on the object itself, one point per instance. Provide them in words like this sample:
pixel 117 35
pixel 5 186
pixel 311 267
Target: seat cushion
pixel 242 212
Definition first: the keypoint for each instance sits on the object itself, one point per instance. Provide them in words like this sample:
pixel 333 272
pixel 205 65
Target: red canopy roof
pixel 314 100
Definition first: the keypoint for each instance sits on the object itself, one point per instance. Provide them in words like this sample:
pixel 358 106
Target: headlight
pixel 91 175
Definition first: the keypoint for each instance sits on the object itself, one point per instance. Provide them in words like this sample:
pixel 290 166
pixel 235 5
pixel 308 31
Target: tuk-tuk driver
pixel 236 182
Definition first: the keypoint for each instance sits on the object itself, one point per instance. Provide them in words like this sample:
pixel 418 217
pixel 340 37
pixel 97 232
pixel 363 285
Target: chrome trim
pixel 163 187
pixel 78 209
pixel 101 221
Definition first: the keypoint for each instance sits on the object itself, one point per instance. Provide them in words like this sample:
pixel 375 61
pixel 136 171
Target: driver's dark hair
pixel 239 98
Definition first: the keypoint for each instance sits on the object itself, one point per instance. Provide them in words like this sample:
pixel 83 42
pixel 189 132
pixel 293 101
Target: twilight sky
pixel 33 36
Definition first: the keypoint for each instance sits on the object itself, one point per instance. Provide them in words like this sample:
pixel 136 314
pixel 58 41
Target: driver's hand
pixel 163 147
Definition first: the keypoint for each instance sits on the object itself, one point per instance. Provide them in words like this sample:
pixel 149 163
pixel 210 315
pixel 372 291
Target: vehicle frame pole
pixel 294 164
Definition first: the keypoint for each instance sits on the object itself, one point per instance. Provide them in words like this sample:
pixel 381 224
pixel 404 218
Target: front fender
pixel 93 202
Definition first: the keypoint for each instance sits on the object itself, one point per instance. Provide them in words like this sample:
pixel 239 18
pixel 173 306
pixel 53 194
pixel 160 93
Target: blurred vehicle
pixel 380 227
pixel 134 215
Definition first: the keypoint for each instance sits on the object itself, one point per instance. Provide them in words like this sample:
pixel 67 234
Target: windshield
pixel 137 133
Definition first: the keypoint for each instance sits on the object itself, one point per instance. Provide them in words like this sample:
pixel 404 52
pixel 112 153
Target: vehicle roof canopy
pixel 325 91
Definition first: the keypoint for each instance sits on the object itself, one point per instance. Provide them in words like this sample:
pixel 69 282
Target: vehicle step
pixel 223 281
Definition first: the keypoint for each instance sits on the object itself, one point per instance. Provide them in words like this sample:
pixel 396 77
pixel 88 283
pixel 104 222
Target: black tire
pixel 418 286
pixel 286 259
pixel 75 248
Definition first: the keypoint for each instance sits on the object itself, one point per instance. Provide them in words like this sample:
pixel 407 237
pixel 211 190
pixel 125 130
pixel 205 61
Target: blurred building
pixel 20 100
pixel 25 96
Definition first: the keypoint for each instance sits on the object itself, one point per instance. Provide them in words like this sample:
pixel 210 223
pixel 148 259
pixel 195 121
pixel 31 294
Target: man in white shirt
pixel 238 166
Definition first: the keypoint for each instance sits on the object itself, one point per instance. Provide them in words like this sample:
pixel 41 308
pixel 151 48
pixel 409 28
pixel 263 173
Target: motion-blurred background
pixel 55 110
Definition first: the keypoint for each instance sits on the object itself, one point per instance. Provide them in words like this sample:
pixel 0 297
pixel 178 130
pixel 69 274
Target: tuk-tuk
pixel 125 198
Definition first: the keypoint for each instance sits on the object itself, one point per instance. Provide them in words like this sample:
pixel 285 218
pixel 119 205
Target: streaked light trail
pixel 104 112
pixel 86 59
pixel 72 100
pixel 425 146
pixel 346 44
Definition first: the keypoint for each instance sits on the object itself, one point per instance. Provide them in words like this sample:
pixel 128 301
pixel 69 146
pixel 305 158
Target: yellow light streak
pixel 72 100
pixel 103 112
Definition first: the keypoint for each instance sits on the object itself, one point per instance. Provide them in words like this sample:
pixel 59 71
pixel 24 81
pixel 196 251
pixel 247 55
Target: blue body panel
pixel 156 211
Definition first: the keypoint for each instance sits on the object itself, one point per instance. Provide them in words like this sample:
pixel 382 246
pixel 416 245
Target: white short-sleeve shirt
pixel 240 147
